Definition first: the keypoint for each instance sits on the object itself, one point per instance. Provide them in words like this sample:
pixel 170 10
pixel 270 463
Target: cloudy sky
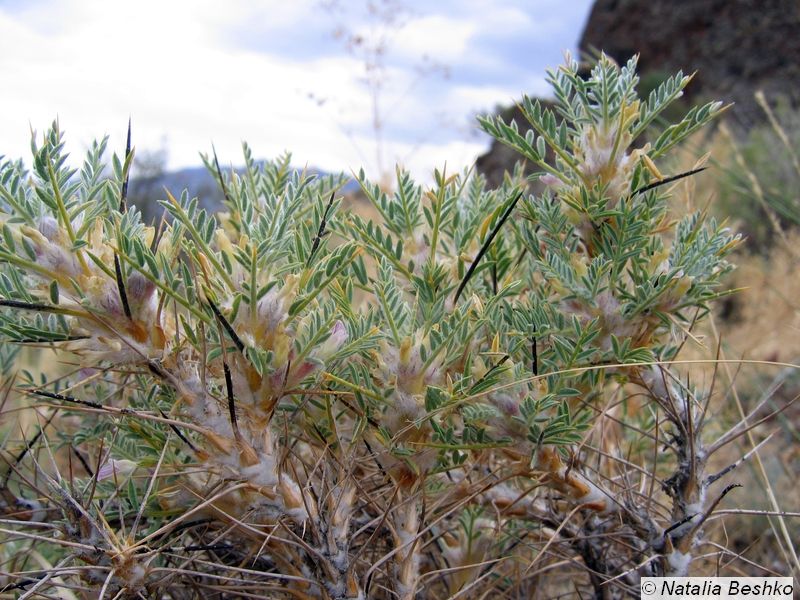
pixel 281 74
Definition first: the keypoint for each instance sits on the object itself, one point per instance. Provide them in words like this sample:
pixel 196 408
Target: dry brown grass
pixel 760 322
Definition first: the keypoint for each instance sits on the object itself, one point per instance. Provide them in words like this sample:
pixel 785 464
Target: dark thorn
pixel 534 353
pixel 494 278
pixel 67 338
pixel 508 552
pixel 494 367
pixel 520 257
pixel 360 413
pixel 286 374
pixel 570 464
pixel 231 405
pixel 660 182
pixel 185 526
pixel 159 231
pixel 177 431
pixel 674 526
pixel 725 492
pixel 375 458
pixel 28 305
pixel 539 442
pixel 63 398
pixel 29 580
pixel 123 200
pixel 713 507
pixel 236 340
pixel 369 583
pixel 423 516
pixel 319 433
pixel 712 478
pixel 26 449
pixel 201 548
pixel 486 245
pixel 123 295
pixel 321 232
pixel 156 370
pixel 83 461
pixel 219 174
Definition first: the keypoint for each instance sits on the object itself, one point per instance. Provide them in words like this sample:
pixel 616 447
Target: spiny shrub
pixel 288 399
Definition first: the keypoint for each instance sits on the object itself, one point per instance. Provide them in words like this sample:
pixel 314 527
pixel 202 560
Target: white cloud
pixel 507 19
pixel 176 69
pixel 170 77
pixel 437 36
pixel 486 98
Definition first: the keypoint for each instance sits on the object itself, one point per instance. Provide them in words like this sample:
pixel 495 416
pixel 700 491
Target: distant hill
pixel 144 192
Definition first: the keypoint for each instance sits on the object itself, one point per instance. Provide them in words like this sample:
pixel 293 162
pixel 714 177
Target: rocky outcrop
pixel 500 158
pixel 736 46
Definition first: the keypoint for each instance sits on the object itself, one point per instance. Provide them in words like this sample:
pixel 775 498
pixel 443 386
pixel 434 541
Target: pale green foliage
pixel 305 355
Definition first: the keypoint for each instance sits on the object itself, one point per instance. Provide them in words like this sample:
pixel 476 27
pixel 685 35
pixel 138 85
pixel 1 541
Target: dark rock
pixel 736 46
pixel 500 158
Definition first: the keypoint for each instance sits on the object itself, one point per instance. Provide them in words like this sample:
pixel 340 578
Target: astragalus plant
pixel 461 396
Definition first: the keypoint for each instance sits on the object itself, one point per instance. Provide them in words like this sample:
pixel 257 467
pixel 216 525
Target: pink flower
pixel 550 180
pixel 116 468
pixel 336 340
